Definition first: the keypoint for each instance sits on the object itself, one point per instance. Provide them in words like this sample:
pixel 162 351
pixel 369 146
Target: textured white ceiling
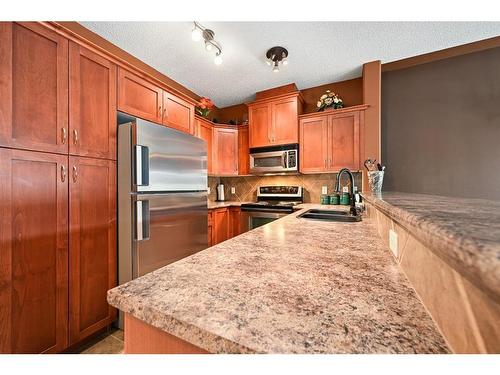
pixel 320 52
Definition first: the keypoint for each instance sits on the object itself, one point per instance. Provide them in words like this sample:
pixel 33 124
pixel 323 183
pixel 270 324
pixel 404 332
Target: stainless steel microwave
pixel 274 159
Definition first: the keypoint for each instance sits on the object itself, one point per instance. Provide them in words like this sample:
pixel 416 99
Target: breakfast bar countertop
pixel 291 286
pixel 463 232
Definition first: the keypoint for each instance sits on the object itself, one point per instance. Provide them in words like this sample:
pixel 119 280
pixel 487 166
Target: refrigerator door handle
pixel 142 218
pixel 141 165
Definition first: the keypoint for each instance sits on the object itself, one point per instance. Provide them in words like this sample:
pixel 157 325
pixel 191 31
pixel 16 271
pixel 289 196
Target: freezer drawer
pixel 167 227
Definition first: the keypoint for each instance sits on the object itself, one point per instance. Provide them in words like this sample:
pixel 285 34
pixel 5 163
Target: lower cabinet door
pixel 33 252
pixel 92 193
pixel 221 225
pixel 234 221
pixel 211 230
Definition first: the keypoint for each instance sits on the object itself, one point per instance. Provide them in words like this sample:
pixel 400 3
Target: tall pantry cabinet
pixel 57 190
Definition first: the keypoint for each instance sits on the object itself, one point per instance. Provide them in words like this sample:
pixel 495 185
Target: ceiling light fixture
pixel 276 56
pixel 210 43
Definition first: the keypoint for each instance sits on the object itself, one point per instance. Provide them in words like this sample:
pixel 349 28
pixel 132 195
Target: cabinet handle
pixel 75 137
pixel 63 173
pixel 330 162
pixel 159 111
pixel 75 174
pixel 325 163
pixel 64 135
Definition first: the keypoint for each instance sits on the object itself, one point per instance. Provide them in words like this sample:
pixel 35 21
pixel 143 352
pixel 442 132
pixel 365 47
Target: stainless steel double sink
pixel 330 215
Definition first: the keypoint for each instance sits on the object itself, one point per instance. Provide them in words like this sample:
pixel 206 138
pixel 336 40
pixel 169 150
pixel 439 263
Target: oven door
pixel 255 218
pixel 269 162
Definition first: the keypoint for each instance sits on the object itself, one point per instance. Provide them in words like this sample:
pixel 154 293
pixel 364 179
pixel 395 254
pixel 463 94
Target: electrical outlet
pixel 345 189
pixel 324 189
pixel 233 190
pixel 393 242
pixel 208 190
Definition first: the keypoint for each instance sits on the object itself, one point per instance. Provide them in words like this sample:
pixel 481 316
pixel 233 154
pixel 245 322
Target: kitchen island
pixel 291 286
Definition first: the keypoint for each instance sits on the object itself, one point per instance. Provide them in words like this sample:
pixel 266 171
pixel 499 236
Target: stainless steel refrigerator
pixel 162 196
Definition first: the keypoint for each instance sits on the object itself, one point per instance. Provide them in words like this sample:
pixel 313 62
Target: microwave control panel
pixel 292 159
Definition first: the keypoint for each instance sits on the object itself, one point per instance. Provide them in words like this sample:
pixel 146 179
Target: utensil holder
pixel 375 181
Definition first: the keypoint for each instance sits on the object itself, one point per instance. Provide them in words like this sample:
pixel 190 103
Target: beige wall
pixel 246 186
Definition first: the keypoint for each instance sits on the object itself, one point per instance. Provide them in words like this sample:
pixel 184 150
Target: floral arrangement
pixel 204 107
pixel 329 99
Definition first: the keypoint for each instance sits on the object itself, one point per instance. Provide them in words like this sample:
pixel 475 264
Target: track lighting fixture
pixel 208 36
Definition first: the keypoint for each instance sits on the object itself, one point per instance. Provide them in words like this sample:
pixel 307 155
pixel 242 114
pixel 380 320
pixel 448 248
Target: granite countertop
pixel 213 205
pixel 463 232
pixel 291 286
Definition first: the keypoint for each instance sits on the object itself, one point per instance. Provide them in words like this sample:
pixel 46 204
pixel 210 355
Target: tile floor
pixel 111 344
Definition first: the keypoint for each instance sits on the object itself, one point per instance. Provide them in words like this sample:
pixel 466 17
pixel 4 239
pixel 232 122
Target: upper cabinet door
pixel 243 152
pixel 92 197
pixel 285 125
pixel 138 97
pixel 343 138
pixel 33 88
pixel 259 117
pixel 177 113
pixel 313 145
pixel 225 151
pixel 92 101
pixel 33 252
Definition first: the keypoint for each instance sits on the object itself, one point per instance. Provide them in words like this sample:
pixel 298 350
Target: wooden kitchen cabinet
pixel 139 97
pixel 343 138
pixel 243 151
pixel 259 117
pixel 211 231
pixel 93 263
pixel 34 87
pixel 92 102
pixel 225 151
pixel 177 113
pixel 330 141
pixel 234 221
pixel 285 121
pixel 314 144
pixel 220 225
pixel 274 121
pixel 33 252
pixel 204 130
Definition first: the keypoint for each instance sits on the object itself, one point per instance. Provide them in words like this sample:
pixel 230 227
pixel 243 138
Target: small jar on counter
pixel 324 199
pixel 335 199
pixel 344 199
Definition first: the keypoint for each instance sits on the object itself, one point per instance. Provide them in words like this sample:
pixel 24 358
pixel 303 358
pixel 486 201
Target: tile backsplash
pixel 246 186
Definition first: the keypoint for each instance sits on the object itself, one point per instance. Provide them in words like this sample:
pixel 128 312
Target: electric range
pixel 272 203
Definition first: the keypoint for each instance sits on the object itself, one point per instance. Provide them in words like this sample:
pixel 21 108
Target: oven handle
pixel 284 158
pixel 265 210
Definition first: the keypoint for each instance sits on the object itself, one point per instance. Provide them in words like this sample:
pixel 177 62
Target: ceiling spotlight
pixel 210 43
pixel 218 59
pixel 196 34
pixel 276 56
